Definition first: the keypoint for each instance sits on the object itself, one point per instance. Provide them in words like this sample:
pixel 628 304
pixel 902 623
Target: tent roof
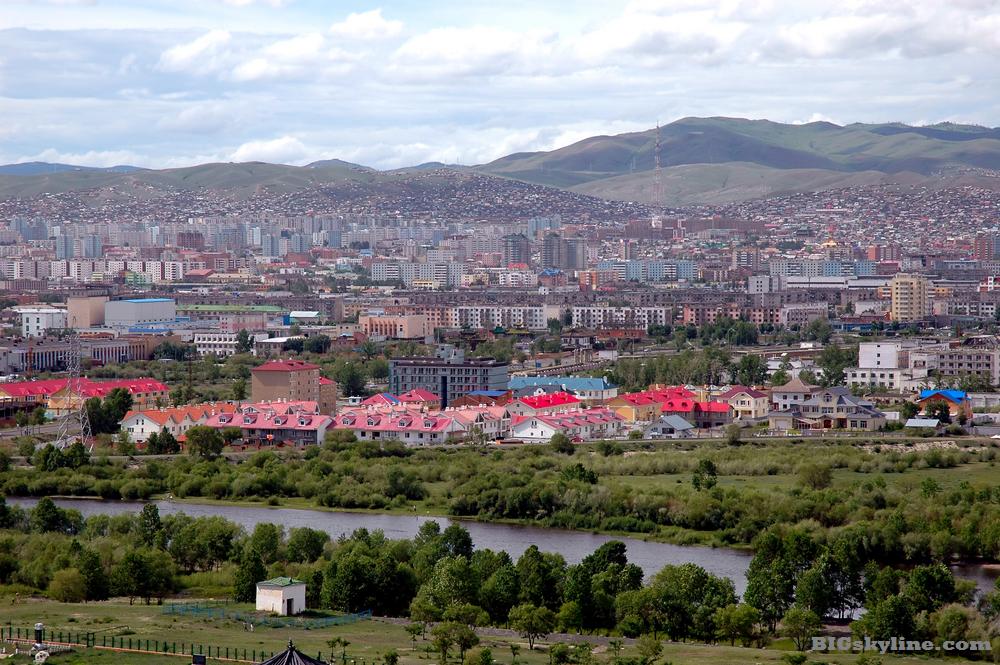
pixel 292 656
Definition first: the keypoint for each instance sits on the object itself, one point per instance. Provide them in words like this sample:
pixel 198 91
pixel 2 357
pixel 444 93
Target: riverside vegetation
pixel 902 504
pixel 448 588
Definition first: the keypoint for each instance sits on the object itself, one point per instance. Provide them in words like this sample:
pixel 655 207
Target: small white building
pixel 285 596
pixel 37 320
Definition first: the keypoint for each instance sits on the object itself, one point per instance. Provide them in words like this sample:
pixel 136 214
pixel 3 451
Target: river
pixel 513 539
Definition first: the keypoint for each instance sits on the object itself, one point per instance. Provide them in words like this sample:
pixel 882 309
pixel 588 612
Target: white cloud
pixel 201 55
pixel 282 150
pixel 366 25
pixel 247 3
pixel 298 56
pixel 476 50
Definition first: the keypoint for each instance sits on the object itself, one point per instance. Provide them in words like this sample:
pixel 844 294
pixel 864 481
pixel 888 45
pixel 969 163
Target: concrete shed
pixel 285 596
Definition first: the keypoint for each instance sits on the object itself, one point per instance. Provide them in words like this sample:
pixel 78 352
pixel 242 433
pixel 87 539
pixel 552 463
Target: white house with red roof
pixel 422 398
pixel 277 423
pixel 705 415
pixel 748 403
pixel 414 425
pixel 578 424
pixel 59 397
pixel 543 403
pixel 139 424
pixel 412 428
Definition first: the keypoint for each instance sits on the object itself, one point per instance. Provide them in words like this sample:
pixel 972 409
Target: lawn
pixel 368 640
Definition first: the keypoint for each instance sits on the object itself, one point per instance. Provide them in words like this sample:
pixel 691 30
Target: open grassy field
pixel 368 640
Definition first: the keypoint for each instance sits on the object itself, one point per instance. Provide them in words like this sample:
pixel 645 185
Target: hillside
pixel 740 158
pixel 705 161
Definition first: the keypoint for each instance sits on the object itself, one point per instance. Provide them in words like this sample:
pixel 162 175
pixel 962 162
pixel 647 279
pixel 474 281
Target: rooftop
pixel 285 366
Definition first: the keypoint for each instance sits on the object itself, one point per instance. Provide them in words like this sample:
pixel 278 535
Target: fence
pixel 220 611
pixel 129 644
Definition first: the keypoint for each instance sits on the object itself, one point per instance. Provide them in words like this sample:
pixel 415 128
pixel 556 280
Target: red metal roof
pixel 549 400
pixel 289 365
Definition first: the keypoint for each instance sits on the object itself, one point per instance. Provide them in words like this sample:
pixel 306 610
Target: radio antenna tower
pixel 74 425
pixel 657 220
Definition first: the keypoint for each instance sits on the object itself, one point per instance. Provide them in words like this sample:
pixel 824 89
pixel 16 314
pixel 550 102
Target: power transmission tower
pixel 74 424
pixel 657 220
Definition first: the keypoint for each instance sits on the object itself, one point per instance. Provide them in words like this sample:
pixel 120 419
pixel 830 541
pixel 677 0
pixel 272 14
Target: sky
pixel 169 83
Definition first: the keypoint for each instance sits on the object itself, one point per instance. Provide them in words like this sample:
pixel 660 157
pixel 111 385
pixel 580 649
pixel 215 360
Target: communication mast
pixel 74 425
pixel 657 220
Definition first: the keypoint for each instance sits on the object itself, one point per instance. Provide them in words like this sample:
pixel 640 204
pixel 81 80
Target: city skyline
pixel 158 84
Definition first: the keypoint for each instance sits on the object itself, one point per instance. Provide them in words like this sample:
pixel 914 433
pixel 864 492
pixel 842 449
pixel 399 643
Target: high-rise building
pixel 93 248
pixel 552 247
pixel 516 249
pixel 985 246
pixel 911 299
pixel 65 247
pixel 448 374
pixel 574 254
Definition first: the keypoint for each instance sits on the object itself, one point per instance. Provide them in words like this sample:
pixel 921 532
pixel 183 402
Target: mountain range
pixel 703 160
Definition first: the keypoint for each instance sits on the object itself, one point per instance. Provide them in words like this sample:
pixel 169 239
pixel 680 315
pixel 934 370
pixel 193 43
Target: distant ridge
pixel 705 161
pixel 41 168
pixel 714 160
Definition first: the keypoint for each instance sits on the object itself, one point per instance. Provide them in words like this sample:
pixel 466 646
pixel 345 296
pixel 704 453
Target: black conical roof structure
pixel 292 656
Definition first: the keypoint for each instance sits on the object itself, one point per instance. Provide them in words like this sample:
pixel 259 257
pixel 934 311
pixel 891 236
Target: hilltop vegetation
pixel 715 160
pixel 705 160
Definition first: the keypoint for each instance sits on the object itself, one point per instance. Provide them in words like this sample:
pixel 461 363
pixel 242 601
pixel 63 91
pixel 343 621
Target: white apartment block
pixel 220 344
pixel 620 317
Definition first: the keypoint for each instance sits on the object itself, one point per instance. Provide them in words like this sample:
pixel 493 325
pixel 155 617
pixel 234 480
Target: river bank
pixel 650 555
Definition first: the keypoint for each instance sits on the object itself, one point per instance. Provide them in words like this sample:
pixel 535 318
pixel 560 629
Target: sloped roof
pixel 419 395
pixel 289 365
pixel 280 581
pixel 292 656
pixel 796 385
pixel 565 382
pixel 742 390
pixel 957 396
pixel 549 400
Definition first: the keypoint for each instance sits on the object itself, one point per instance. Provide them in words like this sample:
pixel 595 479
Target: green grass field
pixel 368 640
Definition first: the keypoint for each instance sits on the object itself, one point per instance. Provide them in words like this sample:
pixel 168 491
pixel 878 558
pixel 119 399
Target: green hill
pixel 813 155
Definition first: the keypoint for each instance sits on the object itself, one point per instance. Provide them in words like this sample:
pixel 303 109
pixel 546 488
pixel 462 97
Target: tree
pixel 129 576
pixel 442 639
pixel 124 445
pixel 350 379
pixel 306 545
pixel 737 622
pixel 649 649
pixel 368 349
pixel 909 410
pixel 317 344
pixel 833 360
pixel 149 527
pixel 204 441
pixel 532 622
pixel 800 625
pixel 266 539
pixel 734 434
pixel 251 570
pixel 230 435
pixel 244 343
pixel 163 443
pixel 555 326
pixel 68 586
pixel 37 416
pixel 95 580
pixel 938 408
pixel 46 516
pixel 815 476
pixel 561 443
pixel 239 390
pixel 116 404
pixel 705 475
pixel 751 370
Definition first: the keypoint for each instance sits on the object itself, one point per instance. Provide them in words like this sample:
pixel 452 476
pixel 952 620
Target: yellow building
pixel 911 299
